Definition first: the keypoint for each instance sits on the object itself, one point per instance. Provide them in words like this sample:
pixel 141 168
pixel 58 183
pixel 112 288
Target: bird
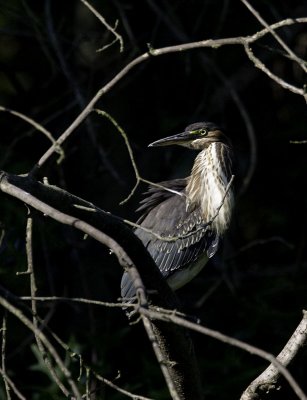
pixel 183 220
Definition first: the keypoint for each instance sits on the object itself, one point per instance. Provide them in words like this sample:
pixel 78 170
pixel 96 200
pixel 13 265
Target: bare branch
pixel 77 300
pixel 76 90
pixel 75 355
pixel 33 289
pixel 180 349
pixel 172 317
pixel 267 380
pixel 264 381
pixel 109 27
pixel 127 143
pixel 292 55
pixel 37 126
pixel 3 358
pixel 135 168
pixel 259 64
pixel 12 386
pixel 183 236
pixel 19 315
pixel 260 242
pixel 120 390
pixel 211 43
pixel 180 35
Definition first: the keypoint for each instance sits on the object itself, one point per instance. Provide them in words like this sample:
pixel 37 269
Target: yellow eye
pixel 203 131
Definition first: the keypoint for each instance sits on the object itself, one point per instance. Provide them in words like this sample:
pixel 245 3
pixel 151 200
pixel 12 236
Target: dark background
pixel 255 288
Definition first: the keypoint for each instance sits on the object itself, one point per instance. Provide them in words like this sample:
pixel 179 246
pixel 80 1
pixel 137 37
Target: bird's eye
pixel 203 131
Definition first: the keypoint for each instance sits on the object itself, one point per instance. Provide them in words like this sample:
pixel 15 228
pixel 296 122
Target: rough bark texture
pixel 175 342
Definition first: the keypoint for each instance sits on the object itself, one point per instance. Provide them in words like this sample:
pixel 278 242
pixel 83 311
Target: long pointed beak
pixel 179 138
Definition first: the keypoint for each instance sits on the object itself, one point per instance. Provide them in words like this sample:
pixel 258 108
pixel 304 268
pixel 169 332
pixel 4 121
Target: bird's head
pixel 197 136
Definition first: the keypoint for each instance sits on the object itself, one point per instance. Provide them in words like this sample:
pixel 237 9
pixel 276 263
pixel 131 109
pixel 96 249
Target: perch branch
pixel 277 364
pixel 179 357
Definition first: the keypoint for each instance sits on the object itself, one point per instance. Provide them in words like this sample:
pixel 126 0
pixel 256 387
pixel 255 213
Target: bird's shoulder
pixel 157 194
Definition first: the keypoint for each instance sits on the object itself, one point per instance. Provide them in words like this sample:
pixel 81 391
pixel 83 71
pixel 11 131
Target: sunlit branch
pixel 210 43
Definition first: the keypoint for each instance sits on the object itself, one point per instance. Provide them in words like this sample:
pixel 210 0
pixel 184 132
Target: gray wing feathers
pixel 165 214
pixel 171 220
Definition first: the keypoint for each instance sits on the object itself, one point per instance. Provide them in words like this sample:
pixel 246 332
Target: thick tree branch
pixel 178 354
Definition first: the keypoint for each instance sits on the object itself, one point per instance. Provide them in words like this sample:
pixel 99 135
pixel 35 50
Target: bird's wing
pixel 156 194
pixel 165 214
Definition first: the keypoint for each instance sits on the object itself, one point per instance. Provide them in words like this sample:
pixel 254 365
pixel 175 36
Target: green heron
pixel 194 211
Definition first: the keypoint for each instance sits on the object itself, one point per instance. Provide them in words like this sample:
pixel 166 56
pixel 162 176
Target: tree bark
pixel 175 342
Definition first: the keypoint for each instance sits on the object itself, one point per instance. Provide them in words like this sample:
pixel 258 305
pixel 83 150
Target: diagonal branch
pixel 266 381
pixel 178 354
pixel 292 55
pixel 210 43
pixel 259 64
pixel 19 315
pixel 73 353
pixel 134 166
pixel 118 38
pixel 277 365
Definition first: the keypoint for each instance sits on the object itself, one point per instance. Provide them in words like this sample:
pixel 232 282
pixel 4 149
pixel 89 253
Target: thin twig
pixel 118 37
pixel 211 43
pixel 19 315
pixel 3 357
pixel 77 300
pixel 135 168
pixel 37 126
pixel 261 242
pixel 76 90
pixel 180 35
pixel 2 234
pixel 12 386
pixel 259 64
pixel 186 235
pixel 292 55
pixel 127 143
pixel 120 390
pixel 73 353
pixel 33 289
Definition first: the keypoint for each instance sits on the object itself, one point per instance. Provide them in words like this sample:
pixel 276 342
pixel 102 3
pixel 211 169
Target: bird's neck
pixel 208 186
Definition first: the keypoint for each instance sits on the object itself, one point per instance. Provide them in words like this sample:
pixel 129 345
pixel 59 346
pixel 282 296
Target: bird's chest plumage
pixel 207 187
